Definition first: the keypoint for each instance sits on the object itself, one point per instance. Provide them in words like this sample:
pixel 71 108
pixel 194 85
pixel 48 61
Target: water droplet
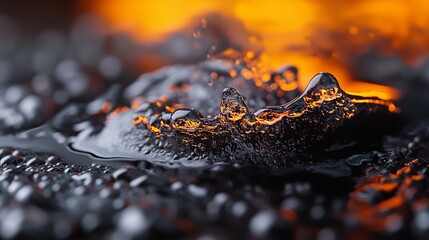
pixel 232 105
pixel 322 87
pixel 188 120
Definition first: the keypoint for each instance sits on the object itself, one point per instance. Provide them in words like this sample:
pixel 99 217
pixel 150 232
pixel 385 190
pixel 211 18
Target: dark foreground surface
pixel 384 196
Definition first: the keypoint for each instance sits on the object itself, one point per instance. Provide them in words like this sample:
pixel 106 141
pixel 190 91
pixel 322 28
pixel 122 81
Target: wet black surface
pixel 367 179
pixel 45 196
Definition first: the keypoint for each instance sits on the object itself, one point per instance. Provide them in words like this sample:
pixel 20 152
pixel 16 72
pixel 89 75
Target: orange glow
pixel 391 203
pixel 119 110
pixel 152 20
pixel 398 186
pixel 106 107
pixel 315 36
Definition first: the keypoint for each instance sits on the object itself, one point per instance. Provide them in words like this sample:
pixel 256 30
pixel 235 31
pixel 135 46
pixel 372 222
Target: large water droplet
pixel 322 87
pixel 186 120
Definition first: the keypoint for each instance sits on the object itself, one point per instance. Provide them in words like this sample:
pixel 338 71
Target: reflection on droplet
pixel 232 105
pixel 186 120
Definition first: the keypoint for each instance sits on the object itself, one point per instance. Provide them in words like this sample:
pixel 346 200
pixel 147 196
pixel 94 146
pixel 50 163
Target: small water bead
pixel 188 120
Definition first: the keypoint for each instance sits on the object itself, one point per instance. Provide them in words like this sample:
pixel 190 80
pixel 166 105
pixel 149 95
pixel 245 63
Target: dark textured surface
pixel 43 196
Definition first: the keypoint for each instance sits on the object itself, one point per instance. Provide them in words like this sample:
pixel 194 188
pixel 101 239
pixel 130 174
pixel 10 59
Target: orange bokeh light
pixel 291 31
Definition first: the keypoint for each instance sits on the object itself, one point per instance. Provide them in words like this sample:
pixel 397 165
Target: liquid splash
pixel 184 128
